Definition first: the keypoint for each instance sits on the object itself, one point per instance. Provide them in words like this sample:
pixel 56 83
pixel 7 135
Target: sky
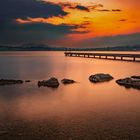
pixel 70 23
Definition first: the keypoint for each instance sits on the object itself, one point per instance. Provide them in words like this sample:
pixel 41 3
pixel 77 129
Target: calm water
pixel 79 111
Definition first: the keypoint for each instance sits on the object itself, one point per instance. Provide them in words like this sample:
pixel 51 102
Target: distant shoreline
pixel 35 47
pixel 68 50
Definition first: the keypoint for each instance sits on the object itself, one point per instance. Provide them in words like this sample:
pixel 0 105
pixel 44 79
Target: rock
pixel 135 77
pixel 67 81
pixel 3 132
pixel 52 82
pixel 10 82
pixel 129 82
pixel 27 81
pixel 100 77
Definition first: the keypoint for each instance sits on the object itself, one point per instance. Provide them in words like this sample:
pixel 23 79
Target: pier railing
pixel 113 56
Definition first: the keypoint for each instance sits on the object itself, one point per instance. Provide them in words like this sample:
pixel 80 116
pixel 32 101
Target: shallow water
pixel 78 111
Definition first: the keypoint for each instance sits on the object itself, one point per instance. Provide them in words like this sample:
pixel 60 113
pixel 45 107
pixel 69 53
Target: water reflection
pixel 82 102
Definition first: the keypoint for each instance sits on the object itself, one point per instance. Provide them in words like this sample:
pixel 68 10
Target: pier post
pixel 134 59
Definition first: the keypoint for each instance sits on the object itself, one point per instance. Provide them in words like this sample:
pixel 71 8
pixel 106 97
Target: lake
pixel 83 111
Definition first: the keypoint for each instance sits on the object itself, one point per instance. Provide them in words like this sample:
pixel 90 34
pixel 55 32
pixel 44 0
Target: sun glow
pixel 96 20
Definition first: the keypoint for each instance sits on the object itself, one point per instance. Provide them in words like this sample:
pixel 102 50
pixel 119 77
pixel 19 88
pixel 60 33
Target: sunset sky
pixel 70 23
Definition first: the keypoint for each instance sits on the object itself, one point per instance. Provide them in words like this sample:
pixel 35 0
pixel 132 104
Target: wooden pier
pixel 113 56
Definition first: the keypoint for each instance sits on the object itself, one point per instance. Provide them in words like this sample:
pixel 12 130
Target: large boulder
pixel 133 81
pixel 52 82
pixel 100 77
pixel 67 81
pixel 10 82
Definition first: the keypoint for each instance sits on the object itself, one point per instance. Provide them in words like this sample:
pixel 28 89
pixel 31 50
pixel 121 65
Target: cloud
pixel 75 6
pixel 12 9
pixel 79 7
pixel 12 33
pixel 84 24
pixel 107 10
pixel 116 10
pixel 123 20
pixel 104 10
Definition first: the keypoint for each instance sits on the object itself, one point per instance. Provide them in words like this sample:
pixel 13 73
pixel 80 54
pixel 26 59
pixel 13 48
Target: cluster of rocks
pixel 129 82
pixel 54 83
pixel 133 81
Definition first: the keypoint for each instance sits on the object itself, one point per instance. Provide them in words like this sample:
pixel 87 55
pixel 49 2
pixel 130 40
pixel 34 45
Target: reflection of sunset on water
pixel 83 98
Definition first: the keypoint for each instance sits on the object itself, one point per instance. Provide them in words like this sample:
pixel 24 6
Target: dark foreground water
pixel 81 111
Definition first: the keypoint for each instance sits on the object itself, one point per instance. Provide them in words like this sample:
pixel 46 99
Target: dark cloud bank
pixel 11 9
pixel 12 32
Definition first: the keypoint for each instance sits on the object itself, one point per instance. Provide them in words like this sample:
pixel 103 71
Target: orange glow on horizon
pixel 96 22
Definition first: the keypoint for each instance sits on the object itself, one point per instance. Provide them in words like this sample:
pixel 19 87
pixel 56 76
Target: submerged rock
pixel 10 82
pixel 52 82
pixel 27 81
pixel 129 82
pixel 100 77
pixel 67 81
